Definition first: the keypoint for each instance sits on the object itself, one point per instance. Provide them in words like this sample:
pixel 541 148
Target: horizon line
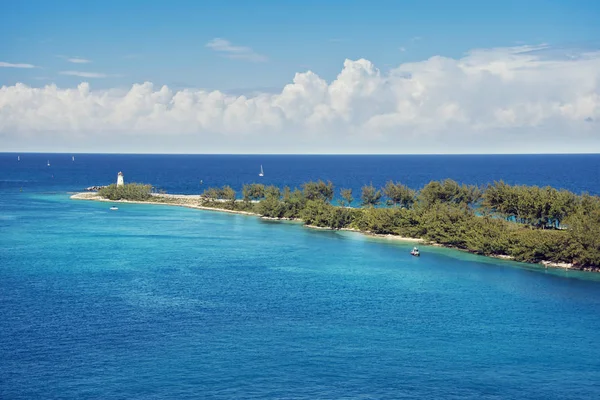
pixel 303 154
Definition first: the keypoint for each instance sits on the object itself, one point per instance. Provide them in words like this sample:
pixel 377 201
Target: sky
pixel 393 77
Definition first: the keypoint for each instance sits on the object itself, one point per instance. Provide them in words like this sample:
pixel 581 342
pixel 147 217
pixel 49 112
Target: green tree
pixel 273 191
pixel 347 198
pixel 228 194
pixel 370 196
pixel 271 207
pixel 317 213
pixel 399 194
pixel 318 190
pixel 287 193
pixel 211 194
pixel 584 237
pixel 448 191
pixel 294 204
pixel 446 224
pixel 254 191
pixel 340 218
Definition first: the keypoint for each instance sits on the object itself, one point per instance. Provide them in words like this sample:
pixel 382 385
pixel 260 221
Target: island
pixel 543 225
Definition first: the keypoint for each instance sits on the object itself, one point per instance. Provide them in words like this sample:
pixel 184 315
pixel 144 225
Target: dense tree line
pixel 532 205
pixel 528 223
pixel 224 196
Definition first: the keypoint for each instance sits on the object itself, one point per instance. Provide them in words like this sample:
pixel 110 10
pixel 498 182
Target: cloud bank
pixel 515 100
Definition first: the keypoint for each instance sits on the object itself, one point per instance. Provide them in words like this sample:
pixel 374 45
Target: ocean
pixel 159 302
pixel 183 173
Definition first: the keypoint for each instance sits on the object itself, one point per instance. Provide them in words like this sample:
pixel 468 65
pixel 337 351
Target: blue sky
pixel 165 42
pixel 307 76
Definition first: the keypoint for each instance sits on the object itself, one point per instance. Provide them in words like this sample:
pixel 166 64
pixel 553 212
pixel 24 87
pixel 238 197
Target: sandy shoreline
pixel 179 200
pixel 191 201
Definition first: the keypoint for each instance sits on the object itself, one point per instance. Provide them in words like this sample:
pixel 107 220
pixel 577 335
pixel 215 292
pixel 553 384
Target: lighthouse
pixel 120 179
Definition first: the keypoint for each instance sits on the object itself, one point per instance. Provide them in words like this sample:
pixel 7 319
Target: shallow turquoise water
pixel 166 302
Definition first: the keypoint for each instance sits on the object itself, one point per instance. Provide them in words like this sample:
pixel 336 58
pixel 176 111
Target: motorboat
pixel 114 208
pixel 415 252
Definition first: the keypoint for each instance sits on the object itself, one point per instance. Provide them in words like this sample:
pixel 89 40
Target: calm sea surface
pixel 153 302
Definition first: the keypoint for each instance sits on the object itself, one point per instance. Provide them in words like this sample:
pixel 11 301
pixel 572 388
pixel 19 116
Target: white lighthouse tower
pixel 120 179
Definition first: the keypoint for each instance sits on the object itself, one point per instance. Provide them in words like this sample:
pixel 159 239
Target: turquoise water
pixel 152 302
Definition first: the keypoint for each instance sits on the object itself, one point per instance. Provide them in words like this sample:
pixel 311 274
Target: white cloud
pixel 78 60
pixel 75 59
pixel 227 49
pixel 84 74
pixel 402 49
pixel 9 65
pixel 518 99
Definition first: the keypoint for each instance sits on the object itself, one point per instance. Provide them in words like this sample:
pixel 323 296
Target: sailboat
pixel 73 158
pixel 18 158
pixel 261 171
pixel 48 162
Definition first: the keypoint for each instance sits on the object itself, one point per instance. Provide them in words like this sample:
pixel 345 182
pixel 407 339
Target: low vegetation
pixel 130 191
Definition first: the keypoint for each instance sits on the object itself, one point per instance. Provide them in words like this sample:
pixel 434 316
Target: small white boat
pixel 261 171
pixel 73 158
pixel 114 208
pixel 18 158
pixel 415 252
pixel 48 163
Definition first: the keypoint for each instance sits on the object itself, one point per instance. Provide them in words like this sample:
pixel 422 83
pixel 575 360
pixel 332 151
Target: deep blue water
pixel 153 302
pixel 183 173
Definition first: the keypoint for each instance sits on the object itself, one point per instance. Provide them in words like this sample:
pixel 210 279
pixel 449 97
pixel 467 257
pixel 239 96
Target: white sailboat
pixel 18 158
pixel 73 158
pixel 261 171
pixel 48 162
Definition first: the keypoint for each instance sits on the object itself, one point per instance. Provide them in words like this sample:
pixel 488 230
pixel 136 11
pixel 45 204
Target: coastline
pixel 375 235
pixel 179 200
pixel 191 201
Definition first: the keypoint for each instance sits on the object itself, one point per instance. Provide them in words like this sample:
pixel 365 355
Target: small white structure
pixel 120 179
